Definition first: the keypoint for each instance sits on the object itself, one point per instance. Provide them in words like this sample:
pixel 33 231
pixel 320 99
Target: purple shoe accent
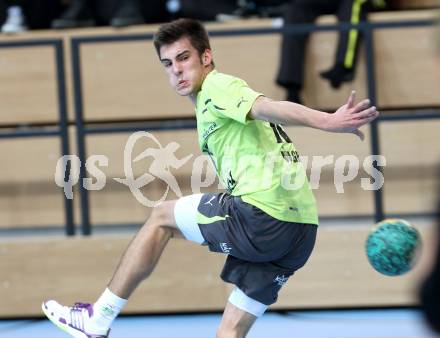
pixel 80 306
pixel 62 320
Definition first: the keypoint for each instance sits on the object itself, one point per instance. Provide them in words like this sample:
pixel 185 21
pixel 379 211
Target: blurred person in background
pixel 82 13
pixel 291 69
pixel 15 21
pixel 17 16
pixel 122 13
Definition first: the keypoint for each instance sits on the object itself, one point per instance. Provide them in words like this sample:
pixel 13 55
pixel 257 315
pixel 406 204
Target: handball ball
pixel 392 247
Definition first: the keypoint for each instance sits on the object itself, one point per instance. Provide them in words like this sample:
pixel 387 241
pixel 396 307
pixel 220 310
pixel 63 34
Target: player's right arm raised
pixel 347 119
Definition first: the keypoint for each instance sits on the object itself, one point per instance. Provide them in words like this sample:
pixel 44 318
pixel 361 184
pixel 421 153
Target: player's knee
pixel 163 215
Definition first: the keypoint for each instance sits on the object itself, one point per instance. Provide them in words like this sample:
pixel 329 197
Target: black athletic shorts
pixel 263 252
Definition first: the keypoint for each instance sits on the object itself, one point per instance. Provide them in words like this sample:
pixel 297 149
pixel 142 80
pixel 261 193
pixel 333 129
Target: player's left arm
pixel 347 119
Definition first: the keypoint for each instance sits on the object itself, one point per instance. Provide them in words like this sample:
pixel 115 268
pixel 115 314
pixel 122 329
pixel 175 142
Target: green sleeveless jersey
pixel 254 159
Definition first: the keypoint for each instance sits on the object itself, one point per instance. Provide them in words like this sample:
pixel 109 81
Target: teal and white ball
pixel 392 247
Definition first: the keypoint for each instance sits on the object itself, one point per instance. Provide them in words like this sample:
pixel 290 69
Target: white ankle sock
pixel 106 309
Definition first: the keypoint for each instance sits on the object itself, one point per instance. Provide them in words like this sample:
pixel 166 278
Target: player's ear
pixel 207 57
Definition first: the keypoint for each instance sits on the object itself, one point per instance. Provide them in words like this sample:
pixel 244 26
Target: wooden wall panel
pixel 28 90
pixel 28 194
pixel 126 80
pixel 69 270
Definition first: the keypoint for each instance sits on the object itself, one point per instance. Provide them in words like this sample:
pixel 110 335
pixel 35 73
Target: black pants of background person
pixel 200 10
pixel 291 69
pixel 119 13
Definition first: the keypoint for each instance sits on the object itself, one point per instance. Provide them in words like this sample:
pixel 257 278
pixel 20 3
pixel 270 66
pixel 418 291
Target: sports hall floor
pixel 393 323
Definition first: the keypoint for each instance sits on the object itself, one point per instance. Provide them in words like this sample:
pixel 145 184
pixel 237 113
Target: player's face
pixel 185 68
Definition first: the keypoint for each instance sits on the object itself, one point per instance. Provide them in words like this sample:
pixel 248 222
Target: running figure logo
pixel 163 159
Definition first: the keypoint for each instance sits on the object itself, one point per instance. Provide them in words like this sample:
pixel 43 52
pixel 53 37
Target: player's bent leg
pixel 171 219
pixel 240 314
pixel 93 321
pixel 144 251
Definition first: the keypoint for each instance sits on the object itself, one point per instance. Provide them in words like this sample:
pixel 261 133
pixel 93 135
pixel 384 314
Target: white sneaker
pixel 74 320
pixel 15 22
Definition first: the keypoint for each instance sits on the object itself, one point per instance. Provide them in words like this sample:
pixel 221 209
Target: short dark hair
pixel 172 31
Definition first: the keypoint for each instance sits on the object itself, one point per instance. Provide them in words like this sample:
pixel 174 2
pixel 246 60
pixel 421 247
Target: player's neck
pixel 193 96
